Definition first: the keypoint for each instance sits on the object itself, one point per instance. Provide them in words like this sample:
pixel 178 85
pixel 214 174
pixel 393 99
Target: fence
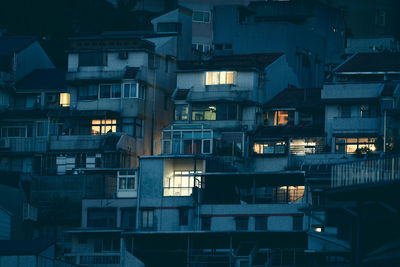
pixel 366 171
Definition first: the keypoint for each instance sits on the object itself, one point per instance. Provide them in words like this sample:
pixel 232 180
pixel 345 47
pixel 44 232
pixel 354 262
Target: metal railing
pixel 366 171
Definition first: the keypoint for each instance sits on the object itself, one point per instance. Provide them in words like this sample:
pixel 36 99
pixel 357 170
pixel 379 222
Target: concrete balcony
pixel 223 93
pixel 74 142
pixel 95 74
pixel 356 125
pixel 24 144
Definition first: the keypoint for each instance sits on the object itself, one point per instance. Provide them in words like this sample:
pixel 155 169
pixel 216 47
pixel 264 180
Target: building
pixel 292 132
pixel 309 33
pixel 36 253
pixel 363 89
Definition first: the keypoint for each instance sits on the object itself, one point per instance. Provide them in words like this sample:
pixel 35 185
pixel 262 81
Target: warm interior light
pixel 65 99
pixel 318 229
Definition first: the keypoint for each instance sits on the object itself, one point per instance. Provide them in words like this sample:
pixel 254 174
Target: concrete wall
pixel 270 164
pixel 5 225
pixel 135 59
pixel 279 215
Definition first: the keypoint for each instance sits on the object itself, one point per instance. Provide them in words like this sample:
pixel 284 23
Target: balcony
pixel 356 125
pixel 73 142
pixel 96 74
pixel 24 144
pixel 221 93
pixel 366 172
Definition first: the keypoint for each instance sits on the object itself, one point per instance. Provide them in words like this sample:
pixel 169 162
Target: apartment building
pixel 358 100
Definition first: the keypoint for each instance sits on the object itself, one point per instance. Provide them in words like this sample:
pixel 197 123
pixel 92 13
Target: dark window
pixel 297 223
pixel 101 217
pixel 181 112
pixel 183 216
pixel 205 223
pixel 92 59
pixel 138 128
pixel 148 219
pixel 88 92
pixel 242 223
pixel 261 223
pixel 128 219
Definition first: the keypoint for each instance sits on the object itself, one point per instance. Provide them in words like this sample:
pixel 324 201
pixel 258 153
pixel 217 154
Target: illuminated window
pixel 304 146
pixel 271 147
pixel 353 145
pixel 126 180
pixel 64 99
pixel 181 183
pixel 204 113
pixel 280 118
pixel 219 77
pixel 104 126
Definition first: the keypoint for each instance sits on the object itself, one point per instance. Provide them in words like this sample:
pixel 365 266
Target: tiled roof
pixel 181 94
pixel 296 98
pixel 131 72
pixel 231 62
pixel 23 247
pixel 11 44
pixel 371 62
pixel 43 79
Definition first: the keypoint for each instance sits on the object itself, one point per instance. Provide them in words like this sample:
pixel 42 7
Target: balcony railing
pixel 24 144
pixel 357 124
pixel 366 172
pixel 95 75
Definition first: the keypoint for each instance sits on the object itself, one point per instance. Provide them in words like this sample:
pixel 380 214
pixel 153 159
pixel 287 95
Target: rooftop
pixel 42 79
pixel 296 98
pixel 10 45
pixel 231 62
pixel 370 63
pixel 23 247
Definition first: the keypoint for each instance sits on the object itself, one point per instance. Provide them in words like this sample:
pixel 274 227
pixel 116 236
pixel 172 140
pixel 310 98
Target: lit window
pixel 103 126
pixel 126 180
pixel 64 99
pixel 187 142
pixel 219 77
pixel 355 145
pixel 271 147
pixel 181 183
pixel 279 118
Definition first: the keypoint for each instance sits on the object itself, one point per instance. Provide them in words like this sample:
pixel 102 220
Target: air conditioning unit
pixel 123 55
pixel 5 143
pixel 29 212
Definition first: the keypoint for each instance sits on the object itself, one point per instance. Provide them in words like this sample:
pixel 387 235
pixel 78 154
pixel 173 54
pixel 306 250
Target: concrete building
pixel 363 89
pixel 310 34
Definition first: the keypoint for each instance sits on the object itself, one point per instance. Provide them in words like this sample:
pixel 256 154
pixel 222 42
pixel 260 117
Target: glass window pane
pixel 222 77
pixel 229 79
pixel 116 90
pixel 105 91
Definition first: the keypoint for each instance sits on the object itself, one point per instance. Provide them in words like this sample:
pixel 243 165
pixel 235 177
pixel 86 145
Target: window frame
pixel 147 225
pixel 125 175
pixel 209 78
pixel 203 20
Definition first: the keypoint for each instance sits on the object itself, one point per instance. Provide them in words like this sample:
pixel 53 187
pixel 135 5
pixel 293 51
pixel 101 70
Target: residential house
pixel 364 88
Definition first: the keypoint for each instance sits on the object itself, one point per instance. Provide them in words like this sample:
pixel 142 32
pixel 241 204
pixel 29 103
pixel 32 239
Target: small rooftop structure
pixel 232 62
pixel 370 63
pixel 297 98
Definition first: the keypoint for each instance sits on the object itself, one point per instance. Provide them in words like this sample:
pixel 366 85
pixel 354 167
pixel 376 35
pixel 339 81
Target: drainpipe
pixel 384 132
pixel 138 201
